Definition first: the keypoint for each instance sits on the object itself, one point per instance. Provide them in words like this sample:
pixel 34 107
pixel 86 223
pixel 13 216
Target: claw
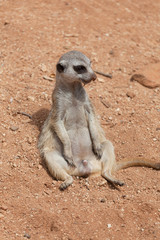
pixel 69 159
pixel 63 186
pixel 98 151
pixel 71 163
pixel 119 183
pixel 66 183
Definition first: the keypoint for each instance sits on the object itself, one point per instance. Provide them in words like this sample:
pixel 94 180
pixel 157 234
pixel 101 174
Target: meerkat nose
pixel 94 77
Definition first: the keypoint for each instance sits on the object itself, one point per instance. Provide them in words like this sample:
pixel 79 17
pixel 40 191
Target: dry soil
pixel 120 37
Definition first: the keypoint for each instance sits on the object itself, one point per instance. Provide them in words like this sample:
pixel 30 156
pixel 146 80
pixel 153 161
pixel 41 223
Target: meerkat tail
pixel 137 162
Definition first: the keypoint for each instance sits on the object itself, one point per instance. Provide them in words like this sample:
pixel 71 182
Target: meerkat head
pixel 74 66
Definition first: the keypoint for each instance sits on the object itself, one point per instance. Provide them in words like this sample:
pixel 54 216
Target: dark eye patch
pixel 60 68
pixel 80 69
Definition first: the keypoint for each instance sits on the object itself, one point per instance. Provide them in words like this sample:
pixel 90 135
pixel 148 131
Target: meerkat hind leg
pixel 111 179
pixel 109 163
pixel 58 168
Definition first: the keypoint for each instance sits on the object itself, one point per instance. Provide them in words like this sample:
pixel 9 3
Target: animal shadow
pixel 39 117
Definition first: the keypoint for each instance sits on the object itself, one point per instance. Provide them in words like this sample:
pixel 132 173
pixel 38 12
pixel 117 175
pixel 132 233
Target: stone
pixel 149 76
pixel 130 95
pixel 14 128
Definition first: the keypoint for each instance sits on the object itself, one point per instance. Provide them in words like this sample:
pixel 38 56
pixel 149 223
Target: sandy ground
pixel 121 38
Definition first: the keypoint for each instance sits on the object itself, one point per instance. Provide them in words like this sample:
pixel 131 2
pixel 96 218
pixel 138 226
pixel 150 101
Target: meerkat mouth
pixel 85 82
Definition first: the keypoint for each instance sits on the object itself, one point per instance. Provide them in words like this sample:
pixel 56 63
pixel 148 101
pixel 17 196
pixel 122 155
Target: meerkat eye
pixel 80 69
pixel 60 68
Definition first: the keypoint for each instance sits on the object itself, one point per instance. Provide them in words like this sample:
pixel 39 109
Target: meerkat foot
pixel 119 183
pixel 69 158
pixel 98 151
pixel 71 163
pixel 66 183
pixel 111 179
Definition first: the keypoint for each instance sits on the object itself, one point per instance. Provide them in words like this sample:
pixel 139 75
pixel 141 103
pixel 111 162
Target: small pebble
pixel 27 235
pixel 130 94
pixel 109 225
pixel 14 128
pixel 43 67
pixel 1 215
pixel 101 80
pixel 29 140
pixel 31 98
pixel 3 207
pixel 111 52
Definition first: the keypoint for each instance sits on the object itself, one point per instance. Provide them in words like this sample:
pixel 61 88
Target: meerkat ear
pixel 61 66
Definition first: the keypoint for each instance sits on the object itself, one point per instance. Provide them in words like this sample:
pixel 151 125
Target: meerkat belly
pixel 80 142
pixel 77 128
pixel 81 149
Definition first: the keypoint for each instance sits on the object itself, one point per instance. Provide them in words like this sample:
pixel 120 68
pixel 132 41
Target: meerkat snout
pixel 89 78
pixel 94 77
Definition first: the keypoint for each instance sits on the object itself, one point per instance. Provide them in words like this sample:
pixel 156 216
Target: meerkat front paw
pixel 97 149
pixel 69 158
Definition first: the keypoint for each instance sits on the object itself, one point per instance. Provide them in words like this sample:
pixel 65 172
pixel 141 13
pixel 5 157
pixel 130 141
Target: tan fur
pixel 72 141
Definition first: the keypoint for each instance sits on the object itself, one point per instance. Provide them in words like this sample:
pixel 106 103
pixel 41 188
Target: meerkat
pixel 72 141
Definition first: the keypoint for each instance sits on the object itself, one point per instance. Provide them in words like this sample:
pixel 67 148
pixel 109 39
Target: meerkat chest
pixel 75 116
